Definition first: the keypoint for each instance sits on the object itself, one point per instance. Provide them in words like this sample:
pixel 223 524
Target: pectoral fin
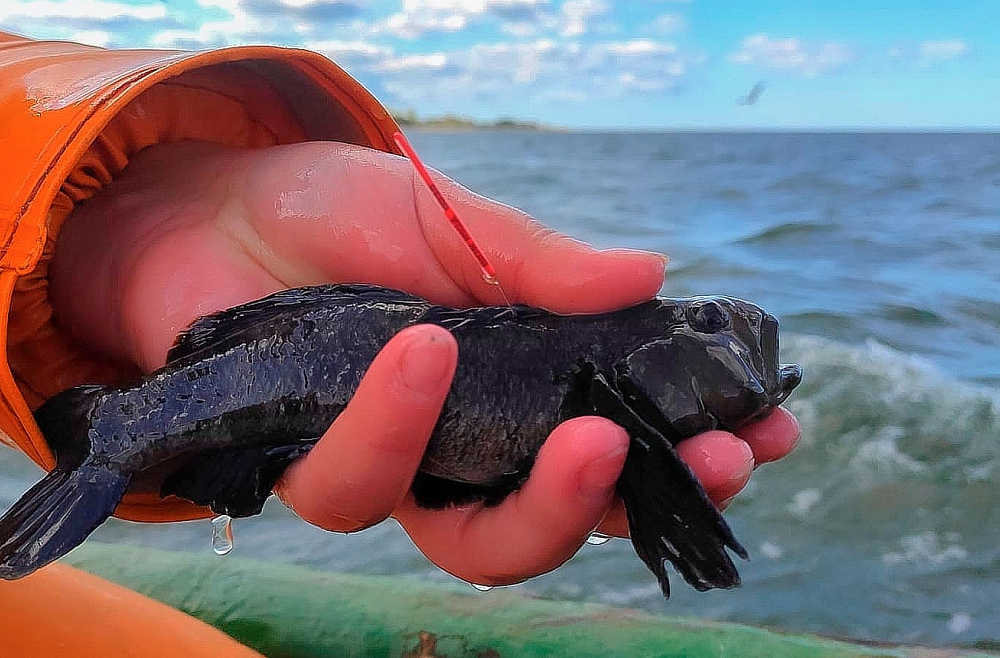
pixel 670 516
pixel 233 482
pixel 655 384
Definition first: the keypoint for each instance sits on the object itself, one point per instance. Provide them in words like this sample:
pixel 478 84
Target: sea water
pixel 880 254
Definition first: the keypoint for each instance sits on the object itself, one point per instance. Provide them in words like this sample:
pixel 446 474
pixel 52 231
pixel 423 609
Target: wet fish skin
pixel 248 390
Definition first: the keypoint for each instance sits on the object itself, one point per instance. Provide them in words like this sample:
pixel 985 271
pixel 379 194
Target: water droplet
pixel 597 539
pixel 482 588
pixel 222 534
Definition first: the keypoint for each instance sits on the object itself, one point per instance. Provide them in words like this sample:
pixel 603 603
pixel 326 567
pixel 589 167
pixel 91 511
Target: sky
pixel 659 64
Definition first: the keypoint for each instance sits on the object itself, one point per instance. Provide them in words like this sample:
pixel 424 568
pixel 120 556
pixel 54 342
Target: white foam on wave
pixel 959 623
pixel 770 550
pixel 885 414
pixel 881 452
pixel 927 548
pixel 804 501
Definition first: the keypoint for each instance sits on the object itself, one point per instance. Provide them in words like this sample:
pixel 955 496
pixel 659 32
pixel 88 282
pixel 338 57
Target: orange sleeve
pixel 71 116
pixel 62 611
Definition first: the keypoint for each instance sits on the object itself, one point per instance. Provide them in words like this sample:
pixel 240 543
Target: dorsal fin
pixel 220 326
pixel 453 318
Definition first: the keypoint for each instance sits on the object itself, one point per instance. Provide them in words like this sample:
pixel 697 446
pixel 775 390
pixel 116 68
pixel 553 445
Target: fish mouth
pixel 789 376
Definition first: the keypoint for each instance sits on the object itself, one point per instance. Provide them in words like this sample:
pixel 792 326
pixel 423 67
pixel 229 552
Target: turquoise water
pixel 881 256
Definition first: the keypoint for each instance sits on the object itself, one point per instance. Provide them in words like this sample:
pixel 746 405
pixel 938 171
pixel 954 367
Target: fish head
pixel 715 367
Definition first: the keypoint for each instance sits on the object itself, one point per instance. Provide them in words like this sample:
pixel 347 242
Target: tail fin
pixel 58 513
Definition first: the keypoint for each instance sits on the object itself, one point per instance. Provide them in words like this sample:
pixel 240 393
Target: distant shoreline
pixel 450 122
pixel 458 123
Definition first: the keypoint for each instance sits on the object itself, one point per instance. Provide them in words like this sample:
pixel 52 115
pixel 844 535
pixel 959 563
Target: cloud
pixel 357 56
pixel 81 9
pixel 540 65
pixel 423 17
pixel 518 11
pixel 668 24
pixel 936 51
pixel 97 22
pixel 101 38
pixel 318 11
pixel 535 71
pixel 793 55
pixel 930 53
pixel 577 16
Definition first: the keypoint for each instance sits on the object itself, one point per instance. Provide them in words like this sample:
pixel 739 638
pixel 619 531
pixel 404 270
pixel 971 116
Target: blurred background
pixel 838 165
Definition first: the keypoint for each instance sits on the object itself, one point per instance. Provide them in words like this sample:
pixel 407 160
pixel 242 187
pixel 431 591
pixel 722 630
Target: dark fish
pixel 250 389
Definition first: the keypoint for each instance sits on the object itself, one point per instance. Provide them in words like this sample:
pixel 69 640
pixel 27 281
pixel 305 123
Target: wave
pixel 912 315
pixel 808 181
pixel 943 422
pixel 890 490
pixel 889 444
pixel 787 231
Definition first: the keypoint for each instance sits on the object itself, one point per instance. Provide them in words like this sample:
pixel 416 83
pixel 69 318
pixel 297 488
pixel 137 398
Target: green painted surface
pixel 289 611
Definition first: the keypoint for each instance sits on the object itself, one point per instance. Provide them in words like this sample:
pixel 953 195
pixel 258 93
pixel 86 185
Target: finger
pixel 535 265
pixel 538 527
pixel 772 438
pixel 615 522
pixel 721 462
pixel 363 466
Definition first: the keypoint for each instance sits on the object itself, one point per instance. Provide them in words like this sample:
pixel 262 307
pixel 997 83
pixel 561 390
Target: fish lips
pixel 789 377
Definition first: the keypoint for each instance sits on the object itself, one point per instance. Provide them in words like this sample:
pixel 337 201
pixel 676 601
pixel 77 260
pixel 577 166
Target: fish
pixel 248 390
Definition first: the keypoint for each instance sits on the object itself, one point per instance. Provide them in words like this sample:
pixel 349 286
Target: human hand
pixel 189 229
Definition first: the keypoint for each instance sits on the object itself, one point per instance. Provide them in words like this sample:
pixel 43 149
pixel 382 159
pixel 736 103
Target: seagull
pixel 753 96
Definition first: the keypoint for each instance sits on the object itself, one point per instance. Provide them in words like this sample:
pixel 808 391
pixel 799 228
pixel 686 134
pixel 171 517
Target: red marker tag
pixel 489 273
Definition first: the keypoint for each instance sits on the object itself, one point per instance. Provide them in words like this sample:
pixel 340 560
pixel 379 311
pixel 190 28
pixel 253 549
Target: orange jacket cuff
pixel 72 116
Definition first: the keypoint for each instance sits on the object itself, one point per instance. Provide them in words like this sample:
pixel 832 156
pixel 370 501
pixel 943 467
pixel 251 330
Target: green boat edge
pixel 287 611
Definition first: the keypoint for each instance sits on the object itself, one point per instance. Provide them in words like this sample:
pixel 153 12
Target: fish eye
pixel 709 317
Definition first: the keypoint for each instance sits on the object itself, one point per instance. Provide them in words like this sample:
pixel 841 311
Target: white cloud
pixel 95 22
pixel 668 24
pixel 353 55
pixel 541 65
pixel 535 71
pixel 77 9
pixel 315 12
pixel 420 17
pixel 929 53
pixel 578 14
pixel 790 54
pixel 936 51
pixel 99 38
pixel 425 62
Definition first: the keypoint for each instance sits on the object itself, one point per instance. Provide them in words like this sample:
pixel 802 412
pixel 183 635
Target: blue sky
pixel 599 64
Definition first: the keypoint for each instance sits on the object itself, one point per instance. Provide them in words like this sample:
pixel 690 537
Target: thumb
pixel 535 265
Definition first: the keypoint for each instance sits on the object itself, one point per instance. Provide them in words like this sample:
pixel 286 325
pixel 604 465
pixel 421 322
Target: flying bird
pixel 753 96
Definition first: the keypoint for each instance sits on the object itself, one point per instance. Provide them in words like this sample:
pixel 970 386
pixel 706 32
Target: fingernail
pixel 748 465
pixel 426 364
pixel 663 259
pixel 598 478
